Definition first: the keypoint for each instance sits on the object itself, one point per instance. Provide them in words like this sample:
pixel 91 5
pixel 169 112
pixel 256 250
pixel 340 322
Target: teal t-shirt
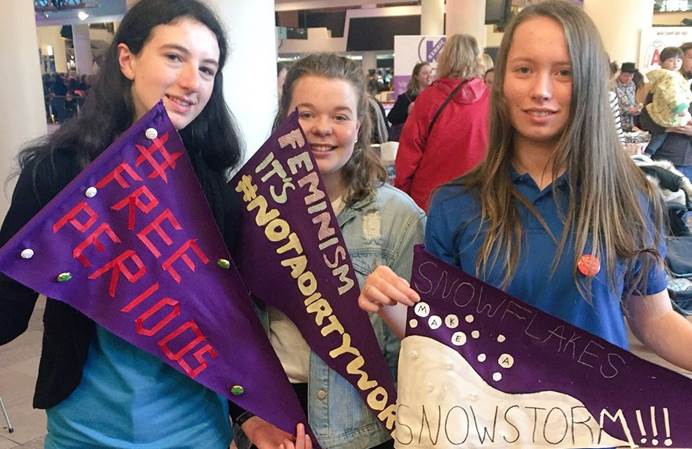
pixel 129 399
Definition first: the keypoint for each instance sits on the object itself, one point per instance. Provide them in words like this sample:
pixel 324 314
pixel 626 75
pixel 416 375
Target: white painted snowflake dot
pixel 434 322
pixel 497 377
pixel 90 192
pixel 422 309
pixel 668 442
pixel 151 133
pixel 27 253
pixel 452 321
pixel 501 338
pixel 481 357
pixel 413 323
pixel 654 442
pixel 475 334
pixel 506 361
pixel 458 338
pixel 469 318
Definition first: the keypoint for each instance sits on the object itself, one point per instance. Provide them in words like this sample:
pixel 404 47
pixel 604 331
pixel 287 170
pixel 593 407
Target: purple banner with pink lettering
pixel 294 258
pixel 480 368
pixel 132 244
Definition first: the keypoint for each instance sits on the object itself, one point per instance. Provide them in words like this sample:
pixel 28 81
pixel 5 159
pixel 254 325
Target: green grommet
pixel 64 277
pixel 224 263
pixel 237 390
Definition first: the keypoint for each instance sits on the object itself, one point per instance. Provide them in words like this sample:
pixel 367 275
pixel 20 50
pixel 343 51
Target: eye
pixel 305 114
pixel 208 71
pixel 522 70
pixel 564 73
pixel 173 57
pixel 342 118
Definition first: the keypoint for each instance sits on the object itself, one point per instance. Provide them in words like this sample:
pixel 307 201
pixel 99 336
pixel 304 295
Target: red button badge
pixel 589 265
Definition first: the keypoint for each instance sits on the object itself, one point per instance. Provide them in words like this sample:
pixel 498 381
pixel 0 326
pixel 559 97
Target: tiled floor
pixel 18 368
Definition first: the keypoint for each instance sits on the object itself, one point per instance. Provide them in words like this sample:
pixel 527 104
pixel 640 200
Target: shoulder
pixel 47 173
pixel 454 197
pixel 391 199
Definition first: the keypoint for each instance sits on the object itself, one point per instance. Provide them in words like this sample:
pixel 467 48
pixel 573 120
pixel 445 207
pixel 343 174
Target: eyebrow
pixel 338 108
pixel 182 49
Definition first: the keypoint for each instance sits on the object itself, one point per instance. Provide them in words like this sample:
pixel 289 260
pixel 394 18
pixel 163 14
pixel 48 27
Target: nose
pixel 189 77
pixel 542 87
pixel 322 126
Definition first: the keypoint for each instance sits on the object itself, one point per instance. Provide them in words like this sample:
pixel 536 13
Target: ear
pixel 127 61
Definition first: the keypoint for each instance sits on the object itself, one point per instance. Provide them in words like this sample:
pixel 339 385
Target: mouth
pixel 539 113
pixel 181 101
pixel 322 147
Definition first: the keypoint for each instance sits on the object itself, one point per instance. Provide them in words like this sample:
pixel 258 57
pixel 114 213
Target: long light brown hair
pixel 460 58
pixel 364 171
pixel 608 197
pixel 413 87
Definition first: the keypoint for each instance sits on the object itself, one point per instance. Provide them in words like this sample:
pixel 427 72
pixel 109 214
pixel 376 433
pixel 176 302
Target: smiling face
pixel 328 114
pixel 178 64
pixel 424 76
pixel 538 83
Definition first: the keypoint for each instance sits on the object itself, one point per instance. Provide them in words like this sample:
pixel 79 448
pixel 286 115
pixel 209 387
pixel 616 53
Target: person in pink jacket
pixel 446 133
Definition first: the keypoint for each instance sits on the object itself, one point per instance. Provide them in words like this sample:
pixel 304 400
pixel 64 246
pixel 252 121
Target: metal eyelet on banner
pixel 27 253
pixel 64 277
pixel 151 133
pixel 90 192
pixel 224 263
pixel 237 390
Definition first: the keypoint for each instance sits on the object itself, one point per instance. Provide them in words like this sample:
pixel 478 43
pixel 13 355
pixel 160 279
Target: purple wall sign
pixel 132 244
pixel 479 368
pixel 432 49
pixel 294 258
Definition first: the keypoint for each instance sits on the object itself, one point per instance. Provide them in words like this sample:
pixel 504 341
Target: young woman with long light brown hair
pixel 557 215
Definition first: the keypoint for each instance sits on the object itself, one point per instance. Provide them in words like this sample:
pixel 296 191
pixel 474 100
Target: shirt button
pixel 321 395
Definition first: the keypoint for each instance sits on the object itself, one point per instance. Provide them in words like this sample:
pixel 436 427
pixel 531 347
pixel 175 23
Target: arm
pixel 397 115
pixel 659 327
pixel 412 144
pixel 17 301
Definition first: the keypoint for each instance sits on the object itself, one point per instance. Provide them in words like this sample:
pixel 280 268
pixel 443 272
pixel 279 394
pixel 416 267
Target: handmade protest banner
pixel 132 244
pixel 294 258
pixel 480 368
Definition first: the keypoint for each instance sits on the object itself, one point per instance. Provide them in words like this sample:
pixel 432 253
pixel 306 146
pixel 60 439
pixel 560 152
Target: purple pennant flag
pixel 132 244
pixel 480 368
pixel 294 258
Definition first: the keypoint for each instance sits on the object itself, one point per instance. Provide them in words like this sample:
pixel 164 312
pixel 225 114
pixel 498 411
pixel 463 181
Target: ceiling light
pixel 82 15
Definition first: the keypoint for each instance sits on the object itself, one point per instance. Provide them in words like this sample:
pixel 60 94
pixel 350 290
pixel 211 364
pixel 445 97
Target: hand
pixel 383 287
pixel 685 129
pixel 265 435
pixel 302 440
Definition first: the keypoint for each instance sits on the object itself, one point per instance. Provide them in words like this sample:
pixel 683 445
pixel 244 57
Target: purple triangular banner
pixel 294 258
pixel 132 244
pixel 480 368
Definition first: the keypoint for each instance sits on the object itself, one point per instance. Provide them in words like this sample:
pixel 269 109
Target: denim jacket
pixel 379 230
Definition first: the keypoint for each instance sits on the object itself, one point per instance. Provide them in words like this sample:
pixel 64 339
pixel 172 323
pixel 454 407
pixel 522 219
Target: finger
pixel 368 306
pixel 396 290
pixel 384 275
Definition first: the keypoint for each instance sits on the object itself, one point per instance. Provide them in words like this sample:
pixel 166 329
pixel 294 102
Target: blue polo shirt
pixel 129 399
pixel 454 233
